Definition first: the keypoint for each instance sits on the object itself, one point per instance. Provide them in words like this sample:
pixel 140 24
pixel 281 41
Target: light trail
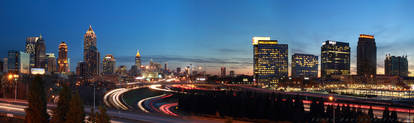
pixel 141 102
pixel 166 109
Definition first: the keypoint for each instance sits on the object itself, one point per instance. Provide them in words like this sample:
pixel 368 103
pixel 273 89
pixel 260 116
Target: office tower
pixel 138 59
pixel 122 70
pixel 109 64
pixel 232 73
pixel 396 65
pixel 81 69
pixel 223 72
pixel 366 56
pixel 270 61
pixel 13 63
pixel 63 64
pixel 40 53
pixel 5 65
pixel 178 69
pixel 51 63
pixel 24 62
pixel 304 65
pixel 31 49
pixel 165 67
pixel 91 53
pixel 335 58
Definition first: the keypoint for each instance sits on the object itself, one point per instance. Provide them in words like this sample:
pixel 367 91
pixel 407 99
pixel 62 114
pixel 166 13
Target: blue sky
pixel 208 33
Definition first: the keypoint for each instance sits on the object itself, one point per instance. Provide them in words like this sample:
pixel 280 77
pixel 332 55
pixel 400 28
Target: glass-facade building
pixel 396 65
pixel 366 56
pixel 304 65
pixel 335 58
pixel 109 64
pixel 270 61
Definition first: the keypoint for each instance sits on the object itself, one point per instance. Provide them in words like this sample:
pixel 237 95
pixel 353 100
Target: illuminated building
pixel 90 52
pixel 270 61
pixel 81 69
pixel 366 56
pixel 138 59
pixel 40 53
pixel 396 65
pixel 109 64
pixel 122 70
pixel 335 58
pixel 51 63
pixel 30 49
pixel 223 72
pixel 18 62
pixel 304 65
pixel 63 63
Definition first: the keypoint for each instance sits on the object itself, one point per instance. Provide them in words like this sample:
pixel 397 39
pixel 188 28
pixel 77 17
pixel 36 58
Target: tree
pixel 386 114
pixel 37 105
pixel 371 113
pixel 59 113
pixel 394 117
pixel 102 117
pixel 76 113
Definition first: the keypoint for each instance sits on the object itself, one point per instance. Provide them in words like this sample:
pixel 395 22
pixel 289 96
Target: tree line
pixel 273 107
pixel 69 107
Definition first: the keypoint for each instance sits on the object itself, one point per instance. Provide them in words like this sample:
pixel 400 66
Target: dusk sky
pixel 208 33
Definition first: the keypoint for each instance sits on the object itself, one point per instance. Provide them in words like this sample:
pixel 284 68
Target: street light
pixel 14 77
pixel 332 99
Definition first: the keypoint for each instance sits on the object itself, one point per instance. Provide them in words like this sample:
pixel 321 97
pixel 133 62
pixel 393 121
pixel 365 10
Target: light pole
pixel 332 99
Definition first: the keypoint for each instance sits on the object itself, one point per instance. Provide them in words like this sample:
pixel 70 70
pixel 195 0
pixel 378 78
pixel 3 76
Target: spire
pixel 40 36
pixel 90 30
pixel 138 55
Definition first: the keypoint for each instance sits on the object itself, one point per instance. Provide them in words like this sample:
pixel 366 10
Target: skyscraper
pixel 91 53
pixel 13 61
pixel 51 63
pixel 40 53
pixel 335 58
pixel 366 56
pixel 396 65
pixel 109 64
pixel 31 49
pixel 138 59
pixel 232 74
pixel 304 65
pixel 24 62
pixel 270 61
pixel 223 72
pixel 63 64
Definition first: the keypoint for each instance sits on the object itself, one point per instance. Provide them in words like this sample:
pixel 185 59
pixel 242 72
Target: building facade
pixel 396 65
pixel 366 56
pixel 63 63
pixel 40 53
pixel 109 64
pixel 18 62
pixel 223 72
pixel 51 63
pixel 31 49
pixel 24 62
pixel 270 61
pixel 304 65
pixel 138 59
pixel 335 58
pixel 90 53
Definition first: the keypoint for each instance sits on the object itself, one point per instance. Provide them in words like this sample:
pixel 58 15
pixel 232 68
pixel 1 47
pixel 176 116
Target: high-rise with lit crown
pixel 270 61
pixel 366 56
pixel 335 58
pixel 63 65
pixel 304 65
pixel 40 53
pixel 30 49
pixel 138 59
pixel 91 53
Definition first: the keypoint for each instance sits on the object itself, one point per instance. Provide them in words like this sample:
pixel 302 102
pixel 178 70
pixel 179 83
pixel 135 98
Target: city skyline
pixel 183 39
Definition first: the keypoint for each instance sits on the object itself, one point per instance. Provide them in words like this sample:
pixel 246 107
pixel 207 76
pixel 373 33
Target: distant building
pixel 396 65
pixel 40 53
pixel 91 54
pixel 31 49
pixel 270 61
pixel 223 72
pixel 51 63
pixel 231 74
pixel 335 58
pixel 366 56
pixel 63 63
pixel 138 59
pixel 122 70
pixel 109 64
pixel 5 62
pixel 304 65
pixel 18 62
pixel 82 69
